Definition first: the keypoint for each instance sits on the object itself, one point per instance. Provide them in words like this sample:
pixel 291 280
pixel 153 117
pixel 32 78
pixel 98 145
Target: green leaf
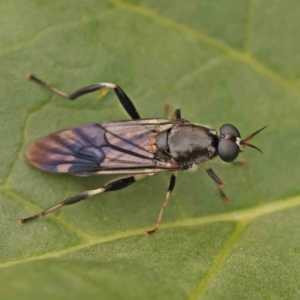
pixel 221 62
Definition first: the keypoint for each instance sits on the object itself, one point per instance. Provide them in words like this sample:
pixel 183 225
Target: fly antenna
pixel 250 137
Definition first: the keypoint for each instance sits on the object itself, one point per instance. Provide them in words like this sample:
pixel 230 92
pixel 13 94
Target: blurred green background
pixel 225 61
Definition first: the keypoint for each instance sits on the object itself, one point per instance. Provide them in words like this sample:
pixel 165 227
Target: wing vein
pixel 127 141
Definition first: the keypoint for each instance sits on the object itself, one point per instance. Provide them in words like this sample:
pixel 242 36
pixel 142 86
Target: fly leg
pixel 239 162
pixel 176 116
pixel 167 106
pixel 123 98
pixel 218 181
pixel 170 189
pixel 115 185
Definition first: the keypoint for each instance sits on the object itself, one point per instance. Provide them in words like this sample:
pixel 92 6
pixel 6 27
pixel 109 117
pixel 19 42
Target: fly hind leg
pixel 123 98
pixel 115 185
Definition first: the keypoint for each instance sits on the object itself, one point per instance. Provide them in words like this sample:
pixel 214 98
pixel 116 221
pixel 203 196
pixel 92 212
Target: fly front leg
pixel 114 185
pixel 170 189
pixel 218 181
pixel 123 98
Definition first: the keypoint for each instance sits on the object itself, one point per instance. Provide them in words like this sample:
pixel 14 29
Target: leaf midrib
pixel 241 216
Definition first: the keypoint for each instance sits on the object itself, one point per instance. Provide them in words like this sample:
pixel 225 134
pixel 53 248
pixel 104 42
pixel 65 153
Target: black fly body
pixel 137 148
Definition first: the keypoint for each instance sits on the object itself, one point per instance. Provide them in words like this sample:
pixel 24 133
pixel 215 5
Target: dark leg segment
pixel 170 189
pixel 115 185
pixel 214 177
pixel 223 195
pixel 177 114
pixel 123 98
pixel 218 181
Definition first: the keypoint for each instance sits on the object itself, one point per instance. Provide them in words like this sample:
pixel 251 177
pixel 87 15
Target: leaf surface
pixel 223 62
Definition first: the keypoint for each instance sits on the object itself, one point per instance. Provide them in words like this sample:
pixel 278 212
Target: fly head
pixel 230 142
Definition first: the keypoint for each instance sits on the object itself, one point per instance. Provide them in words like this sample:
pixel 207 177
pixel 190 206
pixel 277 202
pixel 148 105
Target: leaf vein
pixel 23 136
pixel 243 57
pixel 243 217
pixel 220 258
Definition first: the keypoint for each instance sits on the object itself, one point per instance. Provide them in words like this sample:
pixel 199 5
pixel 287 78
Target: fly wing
pixel 101 148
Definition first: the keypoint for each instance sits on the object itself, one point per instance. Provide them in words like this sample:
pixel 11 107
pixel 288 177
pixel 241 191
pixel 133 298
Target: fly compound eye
pixel 228 129
pixel 228 149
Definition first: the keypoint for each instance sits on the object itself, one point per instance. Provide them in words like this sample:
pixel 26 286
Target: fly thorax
pixel 192 143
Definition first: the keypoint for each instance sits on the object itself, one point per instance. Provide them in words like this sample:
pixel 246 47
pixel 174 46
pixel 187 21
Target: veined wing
pixel 102 148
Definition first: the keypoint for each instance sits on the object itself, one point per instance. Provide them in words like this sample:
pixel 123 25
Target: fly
pixel 137 148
